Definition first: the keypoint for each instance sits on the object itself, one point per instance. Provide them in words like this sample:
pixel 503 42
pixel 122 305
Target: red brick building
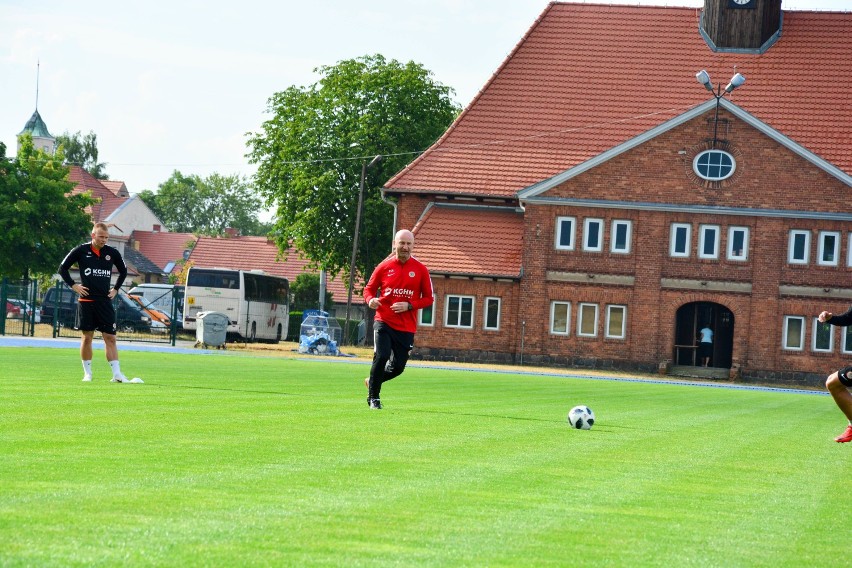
pixel 596 206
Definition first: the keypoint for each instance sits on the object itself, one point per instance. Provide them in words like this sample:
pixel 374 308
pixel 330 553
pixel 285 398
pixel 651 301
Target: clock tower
pixel 740 24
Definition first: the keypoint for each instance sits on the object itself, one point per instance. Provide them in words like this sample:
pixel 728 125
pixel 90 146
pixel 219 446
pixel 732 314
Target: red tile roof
pixel 489 245
pixel 588 77
pixel 116 187
pixel 258 253
pixel 163 248
pixel 107 201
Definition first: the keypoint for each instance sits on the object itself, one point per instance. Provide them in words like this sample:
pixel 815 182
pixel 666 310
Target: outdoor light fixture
pixel 364 167
pixel 703 77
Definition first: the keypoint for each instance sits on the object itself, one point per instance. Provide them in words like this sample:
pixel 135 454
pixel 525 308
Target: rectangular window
pixel 615 322
pixel 560 315
pixel 492 314
pixel 708 241
pixel 587 320
pixel 847 339
pixel 426 316
pixel 593 235
pixel 794 333
pixel 823 337
pixel 737 243
pixel 459 311
pixel 619 241
pixel 565 233
pixel 798 249
pixel 680 240
pixel 829 248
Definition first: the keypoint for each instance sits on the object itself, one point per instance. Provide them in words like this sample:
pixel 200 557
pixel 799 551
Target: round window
pixel 714 165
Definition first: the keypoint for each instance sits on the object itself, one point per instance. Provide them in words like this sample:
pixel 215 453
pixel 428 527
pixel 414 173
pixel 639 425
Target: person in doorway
pixel 398 287
pixel 95 261
pixel 705 345
pixel 838 383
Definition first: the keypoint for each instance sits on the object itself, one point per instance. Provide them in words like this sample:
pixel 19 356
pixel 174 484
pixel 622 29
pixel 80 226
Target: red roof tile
pixel 444 249
pixel 163 248
pixel 257 253
pixel 107 201
pixel 588 77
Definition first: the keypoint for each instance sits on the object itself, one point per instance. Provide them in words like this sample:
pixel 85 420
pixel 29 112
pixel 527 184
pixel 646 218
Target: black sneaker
pixel 375 404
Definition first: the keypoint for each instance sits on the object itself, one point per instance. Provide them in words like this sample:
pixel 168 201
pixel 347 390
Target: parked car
pixel 160 321
pixel 26 309
pixel 161 296
pixel 129 317
pixel 12 311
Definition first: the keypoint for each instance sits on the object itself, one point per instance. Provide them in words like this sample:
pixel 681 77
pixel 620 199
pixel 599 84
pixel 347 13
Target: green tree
pixel 310 154
pixel 305 292
pixel 82 150
pixel 207 206
pixel 41 221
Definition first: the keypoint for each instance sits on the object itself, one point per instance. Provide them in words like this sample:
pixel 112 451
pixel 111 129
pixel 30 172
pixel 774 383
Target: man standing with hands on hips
pixel 399 286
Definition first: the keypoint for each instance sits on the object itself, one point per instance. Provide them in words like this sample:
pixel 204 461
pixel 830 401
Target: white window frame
pixel 487 301
pixel 822 237
pixel 849 250
pixel 844 334
pixel 448 299
pixel 743 256
pixel 559 221
pixel 702 239
pixel 553 306
pixel 580 314
pixel 586 224
pixel 790 248
pixel 816 327
pixel 628 236
pixel 673 240
pixel 420 321
pixel 787 320
pixel 609 310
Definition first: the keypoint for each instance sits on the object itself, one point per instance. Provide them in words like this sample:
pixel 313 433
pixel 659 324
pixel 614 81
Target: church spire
pixel 35 126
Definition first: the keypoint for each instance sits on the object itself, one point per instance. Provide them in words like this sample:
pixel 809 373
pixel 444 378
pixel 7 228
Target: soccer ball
pixel 581 418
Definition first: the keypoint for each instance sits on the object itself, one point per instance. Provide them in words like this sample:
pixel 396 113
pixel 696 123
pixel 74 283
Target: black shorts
pixel 97 315
pixel 845 376
pixel 705 349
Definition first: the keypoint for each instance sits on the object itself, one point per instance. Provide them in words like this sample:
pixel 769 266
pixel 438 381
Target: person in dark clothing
pixel 838 383
pixel 95 261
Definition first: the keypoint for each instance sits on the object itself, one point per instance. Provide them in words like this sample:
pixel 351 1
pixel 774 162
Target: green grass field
pixel 233 460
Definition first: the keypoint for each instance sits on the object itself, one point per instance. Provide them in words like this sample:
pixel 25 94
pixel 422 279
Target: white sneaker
pixel 87 378
pixel 120 379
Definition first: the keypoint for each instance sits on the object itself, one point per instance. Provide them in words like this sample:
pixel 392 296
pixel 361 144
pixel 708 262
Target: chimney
pixel 231 232
pixel 156 229
pixel 741 24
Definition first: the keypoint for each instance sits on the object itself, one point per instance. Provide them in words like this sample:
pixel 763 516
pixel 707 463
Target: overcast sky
pixel 176 85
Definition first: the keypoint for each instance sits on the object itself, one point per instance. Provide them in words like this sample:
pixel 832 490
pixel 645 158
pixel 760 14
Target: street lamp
pixel 703 77
pixel 364 167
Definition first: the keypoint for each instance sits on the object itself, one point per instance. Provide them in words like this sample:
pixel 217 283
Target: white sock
pixel 116 369
pixel 87 367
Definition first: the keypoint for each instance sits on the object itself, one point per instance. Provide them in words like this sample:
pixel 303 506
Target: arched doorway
pixel 690 318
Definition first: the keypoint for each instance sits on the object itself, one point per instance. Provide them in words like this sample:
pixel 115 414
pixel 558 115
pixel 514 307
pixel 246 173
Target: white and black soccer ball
pixel 581 418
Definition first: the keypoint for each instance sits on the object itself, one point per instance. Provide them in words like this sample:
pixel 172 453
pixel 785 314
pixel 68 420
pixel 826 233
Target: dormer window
pixel 714 165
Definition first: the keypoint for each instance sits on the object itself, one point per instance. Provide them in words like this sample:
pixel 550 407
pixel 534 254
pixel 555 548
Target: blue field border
pixel 59 343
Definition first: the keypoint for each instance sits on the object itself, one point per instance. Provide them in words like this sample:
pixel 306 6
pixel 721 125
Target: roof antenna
pixel 38 70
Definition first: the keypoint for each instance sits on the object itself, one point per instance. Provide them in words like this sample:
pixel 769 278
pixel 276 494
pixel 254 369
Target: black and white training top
pixel 95 269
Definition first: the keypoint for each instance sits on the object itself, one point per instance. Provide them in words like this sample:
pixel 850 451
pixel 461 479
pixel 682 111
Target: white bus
pixel 257 304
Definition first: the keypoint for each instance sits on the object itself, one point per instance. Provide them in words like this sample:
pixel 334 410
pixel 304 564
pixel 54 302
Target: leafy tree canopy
pixel 82 150
pixel 41 221
pixel 305 291
pixel 310 154
pixel 207 206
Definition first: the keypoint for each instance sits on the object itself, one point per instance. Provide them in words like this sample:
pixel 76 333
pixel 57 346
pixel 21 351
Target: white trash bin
pixel 211 330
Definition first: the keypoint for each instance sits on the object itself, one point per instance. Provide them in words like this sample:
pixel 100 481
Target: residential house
pixel 596 206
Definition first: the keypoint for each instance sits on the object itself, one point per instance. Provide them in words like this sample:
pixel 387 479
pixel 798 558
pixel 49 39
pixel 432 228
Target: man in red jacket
pixel 839 382
pixel 399 286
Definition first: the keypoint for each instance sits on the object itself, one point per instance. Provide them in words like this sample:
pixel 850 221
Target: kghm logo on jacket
pixel 97 272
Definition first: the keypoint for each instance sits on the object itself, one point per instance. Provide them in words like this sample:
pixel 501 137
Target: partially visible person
pixel 95 261
pixel 838 383
pixel 398 287
pixel 705 345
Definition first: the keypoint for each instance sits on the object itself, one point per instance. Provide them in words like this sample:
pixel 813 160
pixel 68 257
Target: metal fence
pixel 57 314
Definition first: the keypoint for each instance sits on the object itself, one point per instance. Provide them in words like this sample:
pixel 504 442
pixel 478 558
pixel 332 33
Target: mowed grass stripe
pixel 222 460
